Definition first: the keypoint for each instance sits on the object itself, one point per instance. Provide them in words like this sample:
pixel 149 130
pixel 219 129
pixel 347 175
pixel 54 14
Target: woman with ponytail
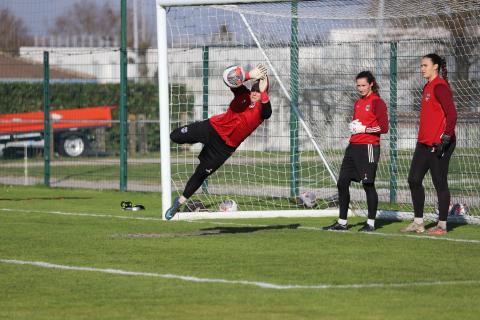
pixel 435 145
pixel 370 120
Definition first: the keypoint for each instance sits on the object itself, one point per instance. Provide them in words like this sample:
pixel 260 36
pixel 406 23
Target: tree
pixel 460 19
pixel 88 19
pixel 224 36
pixel 14 32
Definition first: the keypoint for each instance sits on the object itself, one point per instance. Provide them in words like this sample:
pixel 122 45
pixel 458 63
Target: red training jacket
pixel 240 120
pixel 371 111
pixel 438 114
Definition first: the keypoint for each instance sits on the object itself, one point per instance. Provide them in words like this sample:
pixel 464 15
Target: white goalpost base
pixel 333 213
pixel 255 214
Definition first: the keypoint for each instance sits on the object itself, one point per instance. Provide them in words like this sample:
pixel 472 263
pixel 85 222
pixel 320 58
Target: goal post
pixel 164 110
pixel 164 114
pixel 313 50
pixel 163 89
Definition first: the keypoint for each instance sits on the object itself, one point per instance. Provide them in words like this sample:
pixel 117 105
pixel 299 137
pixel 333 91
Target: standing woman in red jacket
pixel 435 145
pixel 360 162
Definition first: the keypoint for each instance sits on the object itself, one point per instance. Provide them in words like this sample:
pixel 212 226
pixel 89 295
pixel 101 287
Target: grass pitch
pixel 74 254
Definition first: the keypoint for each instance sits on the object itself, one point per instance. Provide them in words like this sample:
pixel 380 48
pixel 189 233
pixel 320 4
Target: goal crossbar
pixel 179 3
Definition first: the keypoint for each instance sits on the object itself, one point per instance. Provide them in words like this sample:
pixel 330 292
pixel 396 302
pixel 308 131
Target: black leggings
pixel 424 160
pixel 359 164
pixel 343 185
pixel 214 152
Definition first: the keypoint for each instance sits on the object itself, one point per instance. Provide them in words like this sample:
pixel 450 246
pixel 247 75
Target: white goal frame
pixel 164 116
pixel 165 119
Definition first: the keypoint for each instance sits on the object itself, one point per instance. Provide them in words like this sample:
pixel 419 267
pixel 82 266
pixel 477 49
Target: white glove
pixel 356 127
pixel 258 72
pixel 263 84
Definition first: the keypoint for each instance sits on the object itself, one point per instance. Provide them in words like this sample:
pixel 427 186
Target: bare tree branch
pixel 13 32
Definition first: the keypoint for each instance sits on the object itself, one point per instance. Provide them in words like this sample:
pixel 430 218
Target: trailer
pixel 70 129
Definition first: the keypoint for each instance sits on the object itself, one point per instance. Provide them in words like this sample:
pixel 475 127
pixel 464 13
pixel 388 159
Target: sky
pixel 39 15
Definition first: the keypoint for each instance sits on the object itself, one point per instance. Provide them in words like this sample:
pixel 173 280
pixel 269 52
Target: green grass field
pixel 74 254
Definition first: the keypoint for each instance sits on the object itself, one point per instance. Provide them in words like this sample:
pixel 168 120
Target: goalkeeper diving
pixel 222 134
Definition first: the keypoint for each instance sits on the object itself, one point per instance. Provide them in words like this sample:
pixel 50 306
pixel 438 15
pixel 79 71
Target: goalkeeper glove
pixel 256 73
pixel 440 148
pixel 356 127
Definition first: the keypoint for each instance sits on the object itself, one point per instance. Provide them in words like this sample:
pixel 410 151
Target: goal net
pixel 313 50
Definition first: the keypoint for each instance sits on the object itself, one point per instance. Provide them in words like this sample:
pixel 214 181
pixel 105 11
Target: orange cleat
pixel 436 231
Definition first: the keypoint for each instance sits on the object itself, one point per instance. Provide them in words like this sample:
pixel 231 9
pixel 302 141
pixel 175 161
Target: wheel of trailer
pixel 73 145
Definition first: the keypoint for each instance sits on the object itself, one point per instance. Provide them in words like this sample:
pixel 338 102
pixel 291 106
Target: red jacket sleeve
pixel 444 96
pixel 380 111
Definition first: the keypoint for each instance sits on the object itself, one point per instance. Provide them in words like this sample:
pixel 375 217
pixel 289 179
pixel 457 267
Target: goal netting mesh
pixel 313 50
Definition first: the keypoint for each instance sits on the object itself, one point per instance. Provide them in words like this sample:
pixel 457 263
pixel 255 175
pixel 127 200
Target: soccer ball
pixel 458 209
pixel 228 205
pixel 233 76
pixel 307 199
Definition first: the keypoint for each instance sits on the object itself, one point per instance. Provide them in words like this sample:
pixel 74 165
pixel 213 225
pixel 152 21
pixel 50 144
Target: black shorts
pixel 214 152
pixel 360 162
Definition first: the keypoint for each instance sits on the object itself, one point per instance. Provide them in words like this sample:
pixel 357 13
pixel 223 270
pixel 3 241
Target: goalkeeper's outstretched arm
pixel 239 90
pixel 266 110
pixel 265 99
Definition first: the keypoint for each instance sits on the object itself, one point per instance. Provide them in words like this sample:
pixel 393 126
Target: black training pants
pixel 423 160
pixel 214 152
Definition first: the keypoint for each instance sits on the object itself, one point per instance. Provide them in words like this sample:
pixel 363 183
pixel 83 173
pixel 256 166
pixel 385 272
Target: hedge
pixel 142 97
pixel 16 97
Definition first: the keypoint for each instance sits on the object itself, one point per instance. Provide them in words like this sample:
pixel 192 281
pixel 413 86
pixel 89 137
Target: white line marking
pixel 99 215
pixel 238 224
pixel 263 285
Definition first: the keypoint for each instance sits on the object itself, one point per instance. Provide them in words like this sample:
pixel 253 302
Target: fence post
pixel 393 122
pixel 205 99
pixel 46 120
pixel 123 97
pixel 294 102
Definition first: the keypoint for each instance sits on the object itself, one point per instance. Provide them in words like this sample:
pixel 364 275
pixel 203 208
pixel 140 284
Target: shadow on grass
pixel 379 224
pixel 208 232
pixel 220 230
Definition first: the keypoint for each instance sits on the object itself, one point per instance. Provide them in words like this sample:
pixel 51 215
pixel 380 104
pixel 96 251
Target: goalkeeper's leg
pixel 368 164
pixel 439 173
pixel 343 186
pixel 418 169
pixel 347 171
pixel 213 156
pixel 372 199
pixel 192 133
pixel 201 173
